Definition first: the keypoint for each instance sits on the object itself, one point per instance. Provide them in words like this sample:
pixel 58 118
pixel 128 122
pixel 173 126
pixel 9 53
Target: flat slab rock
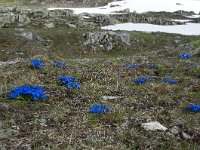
pixel 110 97
pixel 153 126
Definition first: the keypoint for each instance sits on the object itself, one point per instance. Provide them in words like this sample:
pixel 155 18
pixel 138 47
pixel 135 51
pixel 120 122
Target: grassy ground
pixel 62 121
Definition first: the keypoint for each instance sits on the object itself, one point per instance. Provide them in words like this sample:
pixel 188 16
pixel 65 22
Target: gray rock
pixel 71 25
pixel 49 25
pixel 7 17
pixel 97 37
pixel 39 13
pixel 5 63
pixel 18 10
pixel 186 136
pixel 5 9
pixel 60 13
pixel 24 19
pixel 28 35
pixel 175 130
pixel 110 97
pixel 2 24
pixel 108 39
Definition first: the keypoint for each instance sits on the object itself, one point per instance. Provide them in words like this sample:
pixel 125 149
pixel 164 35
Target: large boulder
pixel 39 13
pixel 24 19
pixel 7 18
pixel 6 9
pixel 107 39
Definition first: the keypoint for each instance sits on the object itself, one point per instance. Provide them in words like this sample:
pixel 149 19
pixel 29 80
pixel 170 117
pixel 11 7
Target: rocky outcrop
pixel 184 13
pixel 107 40
pixel 38 17
pixel 71 3
pixel 95 20
pixel 196 20
pixel 152 18
pixel 13 15
pixel 42 17
pixel 6 17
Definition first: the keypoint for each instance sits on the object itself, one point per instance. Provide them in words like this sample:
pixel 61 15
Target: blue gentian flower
pixel 140 80
pixel 69 81
pixel 36 63
pixel 58 64
pixel 193 107
pixel 143 79
pixel 150 78
pixel 110 63
pixel 35 91
pixel 99 108
pixel 169 80
pixel 66 79
pixel 151 65
pixel 184 56
pixel 134 65
pixel 73 84
pixel 129 67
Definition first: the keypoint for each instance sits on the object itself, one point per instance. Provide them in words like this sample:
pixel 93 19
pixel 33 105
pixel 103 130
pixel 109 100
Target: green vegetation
pixel 196 43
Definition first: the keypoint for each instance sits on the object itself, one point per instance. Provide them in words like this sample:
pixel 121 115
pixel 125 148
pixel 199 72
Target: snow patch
pixel 186 29
pixel 141 6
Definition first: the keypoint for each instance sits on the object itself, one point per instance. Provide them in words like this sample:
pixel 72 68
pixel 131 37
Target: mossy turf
pixel 62 121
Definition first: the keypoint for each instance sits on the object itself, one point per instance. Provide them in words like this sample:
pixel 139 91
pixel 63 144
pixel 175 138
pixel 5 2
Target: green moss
pixel 19 104
pixel 196 43
pixel 93 119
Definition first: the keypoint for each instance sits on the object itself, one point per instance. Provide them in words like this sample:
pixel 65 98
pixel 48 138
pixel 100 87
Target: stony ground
pixel 63 121
pixel 55 3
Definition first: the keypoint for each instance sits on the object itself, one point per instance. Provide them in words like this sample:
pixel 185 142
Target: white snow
pixel 187 29
pixel 148 5
pixel 194 16
pixel 142 6
pixel 181 20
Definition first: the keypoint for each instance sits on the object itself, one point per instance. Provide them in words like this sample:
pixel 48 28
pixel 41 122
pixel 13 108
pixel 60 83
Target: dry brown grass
pixel 62 121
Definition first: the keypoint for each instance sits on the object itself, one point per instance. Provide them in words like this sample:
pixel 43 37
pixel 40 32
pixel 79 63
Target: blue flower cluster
pixel 58 64
pixel 193 107
pixel 69 81
pixel 99 108
pixel 134 65
pixel 35 91
pixel 110 63
pixel 36 63
pixel 169 80
pixel 184 56
pixel 151 65
pixel 142 79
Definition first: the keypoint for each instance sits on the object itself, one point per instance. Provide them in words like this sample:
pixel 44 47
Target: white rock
pixel 28 35
pixel 153 126
pixel 186 136
pixel 175 130
pixel 110 97
pixel 49 25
